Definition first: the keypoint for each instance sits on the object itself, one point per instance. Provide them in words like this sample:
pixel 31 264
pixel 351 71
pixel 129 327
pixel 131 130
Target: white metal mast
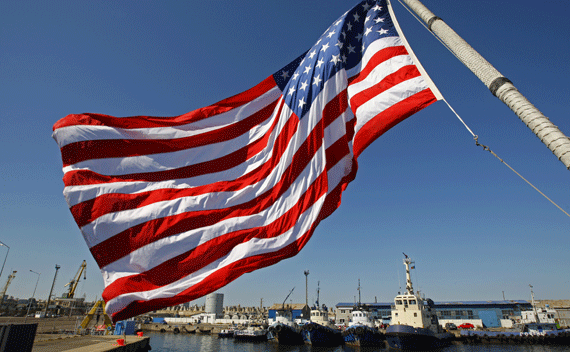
pixel 499 85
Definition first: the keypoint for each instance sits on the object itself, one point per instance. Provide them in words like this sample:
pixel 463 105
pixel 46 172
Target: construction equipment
pixel 73 283
pixel 98 309
pixel 10 278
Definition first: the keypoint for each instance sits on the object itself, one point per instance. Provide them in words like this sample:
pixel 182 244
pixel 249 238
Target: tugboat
pixel 319 331
pixel 414 321
pixel 284 331
pixel 361 330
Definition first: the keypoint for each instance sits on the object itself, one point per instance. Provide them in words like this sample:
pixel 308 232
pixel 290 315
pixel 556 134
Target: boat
pixel 319 331
pixel 537 326
pixel 361 330
pixel 227 332
pixel 414 320
pixel 284 330
pixel 251 334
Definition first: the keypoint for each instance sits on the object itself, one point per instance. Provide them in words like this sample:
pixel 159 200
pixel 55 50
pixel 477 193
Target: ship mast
pixel 533 306
pixel 407 263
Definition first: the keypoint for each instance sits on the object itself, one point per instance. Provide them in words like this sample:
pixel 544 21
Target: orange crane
pixel 73 283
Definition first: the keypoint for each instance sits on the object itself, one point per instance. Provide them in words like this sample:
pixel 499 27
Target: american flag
pixel 173 208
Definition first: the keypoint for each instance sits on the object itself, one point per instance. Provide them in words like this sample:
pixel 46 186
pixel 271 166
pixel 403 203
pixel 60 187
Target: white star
pixel 302 102
pixel 339 44
pixel 291 90
pixel 367 19
pixel 335 59
pixel 379 19
pixel 303 85
pixel 382 31
pixel 359 36
pixel 368 30
pixel 295 75
pixel 363 48
pixel 350 49
pixel 337 22
pixel 331 34
pixel 356 17
pixel 349 26
pixel 307 69
pixel 317 80
pixel 313 53
pixel 320 62
pixel 343 34
pixel 325 47
pixel 366 6
pixel 343 58
pixel 318 41
pixel 377 8
pixel 285 74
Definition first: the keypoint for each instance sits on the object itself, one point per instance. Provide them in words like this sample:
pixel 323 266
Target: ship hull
pixel 405 337
pixel 286 335
pixel 363 336
pixel 321 336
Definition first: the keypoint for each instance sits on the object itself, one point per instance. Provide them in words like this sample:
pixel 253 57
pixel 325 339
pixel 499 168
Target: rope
pixel 475 137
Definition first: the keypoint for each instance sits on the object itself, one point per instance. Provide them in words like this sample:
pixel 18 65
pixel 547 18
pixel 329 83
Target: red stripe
pixel 140 235
pixel 391 117
pixel 378 58
pixel 121 148
pixel 183 265
pixel 403 74
pixel 149 121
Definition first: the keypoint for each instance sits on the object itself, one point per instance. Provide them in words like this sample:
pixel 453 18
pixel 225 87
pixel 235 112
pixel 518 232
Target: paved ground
pixel 87 343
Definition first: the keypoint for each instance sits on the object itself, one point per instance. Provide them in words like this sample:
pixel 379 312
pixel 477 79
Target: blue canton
pixel 340 47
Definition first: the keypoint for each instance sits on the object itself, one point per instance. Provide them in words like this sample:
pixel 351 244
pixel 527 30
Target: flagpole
pixel 499 85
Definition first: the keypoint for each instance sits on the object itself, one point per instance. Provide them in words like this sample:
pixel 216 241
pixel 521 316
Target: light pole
pixel 306 287
pixel 6 257
pixel 33 294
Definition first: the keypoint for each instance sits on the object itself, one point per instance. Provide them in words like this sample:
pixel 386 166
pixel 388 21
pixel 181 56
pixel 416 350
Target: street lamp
pixel 6 257
pixel 33 294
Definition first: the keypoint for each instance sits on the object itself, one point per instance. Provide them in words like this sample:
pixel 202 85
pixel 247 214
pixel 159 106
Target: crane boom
pixel 285 300
pixel 3 293
pixel 75 281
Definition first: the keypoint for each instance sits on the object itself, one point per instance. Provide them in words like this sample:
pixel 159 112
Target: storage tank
pixel 215 304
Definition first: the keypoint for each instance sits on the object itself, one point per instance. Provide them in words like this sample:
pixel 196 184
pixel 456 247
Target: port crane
pixel 10 278
pixel 75 281
pixel 98 309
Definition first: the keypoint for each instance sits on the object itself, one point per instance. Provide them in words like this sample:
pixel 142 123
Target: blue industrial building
pixel 480 313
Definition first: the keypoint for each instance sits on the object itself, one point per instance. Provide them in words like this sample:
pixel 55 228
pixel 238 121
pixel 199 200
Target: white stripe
pixel 251 248
pixel 154 254
pixel 388 98
pixel 78 133
pixel 379 73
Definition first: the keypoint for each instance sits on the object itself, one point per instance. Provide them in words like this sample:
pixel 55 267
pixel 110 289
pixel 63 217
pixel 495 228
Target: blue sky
pixel 475 229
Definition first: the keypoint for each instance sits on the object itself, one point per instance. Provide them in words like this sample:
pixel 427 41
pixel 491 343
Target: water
pixel 211 343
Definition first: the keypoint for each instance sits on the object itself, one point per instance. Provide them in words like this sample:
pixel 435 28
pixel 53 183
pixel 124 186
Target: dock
pixel 89 343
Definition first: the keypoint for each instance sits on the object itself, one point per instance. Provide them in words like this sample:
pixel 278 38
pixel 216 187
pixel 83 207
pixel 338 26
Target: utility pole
pixel 307 287
pixel 51 291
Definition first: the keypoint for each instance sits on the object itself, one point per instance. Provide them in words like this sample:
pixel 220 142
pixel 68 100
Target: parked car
pixel 450 326
pixel 466 326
